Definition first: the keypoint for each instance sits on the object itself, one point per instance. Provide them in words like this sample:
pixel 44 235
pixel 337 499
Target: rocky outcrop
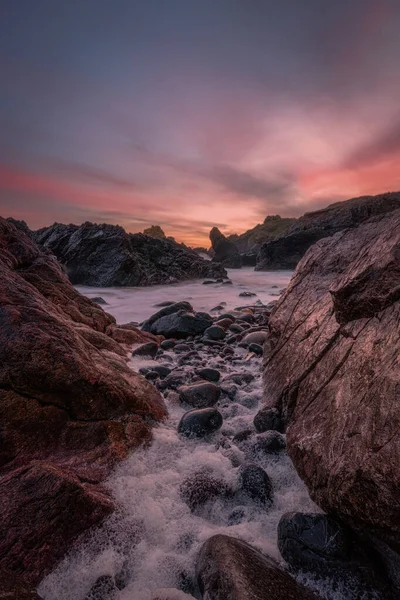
pixel 70 407
pixel 106 255
pixel 333 372
pixel 285 252
pixel 250 242
pixel 155 231
pixel 225 251
pixel 229 568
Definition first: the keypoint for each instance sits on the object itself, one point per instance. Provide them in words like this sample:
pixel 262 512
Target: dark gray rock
pixel 200 395
pixel 201 487
pixel 99 300
pixel 200 422
pixel 286 251
pixel 167 344
pixel 229 569
pixel 103 589
pixel 167 310
pixel 105 255
pixel 181 324
pixel 162 370
pixel 149 349
pixel 225 250
pixel 209 374
pixel 270 442
pixel 255 483
pixel 268 418
pixel 215 332
pixel 247 294
pixel 256 348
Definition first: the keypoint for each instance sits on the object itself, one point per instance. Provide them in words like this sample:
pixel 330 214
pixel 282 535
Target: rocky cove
pixel 139 497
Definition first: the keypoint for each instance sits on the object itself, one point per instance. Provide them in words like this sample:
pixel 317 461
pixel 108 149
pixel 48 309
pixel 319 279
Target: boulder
pixel 255 483
pixel 333 373
pixel 44 509
pixel 106 255
pixel 201 487
pixel 200 422
pixel 229 568
pixel 225 251
pixel 209 374
pixel 268 418
pixel 200 395
pixel 149 349
pixel 62 375
pixel 286 251
pixel 215 332
pixel 256 337
pixel 181 324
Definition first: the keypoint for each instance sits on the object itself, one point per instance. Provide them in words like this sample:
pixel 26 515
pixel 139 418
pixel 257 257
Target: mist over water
pixel 137 303
pixel 152 541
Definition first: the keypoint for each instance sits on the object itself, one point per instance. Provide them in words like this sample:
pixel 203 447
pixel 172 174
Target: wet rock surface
pixel 70 407
pixel 333 371
pixel 229 568
pixel 106 255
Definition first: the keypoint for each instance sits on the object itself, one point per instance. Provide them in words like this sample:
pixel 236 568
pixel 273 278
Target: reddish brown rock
pixel 67 397
pixel 13 587
pixel 51 503
pixel 334 373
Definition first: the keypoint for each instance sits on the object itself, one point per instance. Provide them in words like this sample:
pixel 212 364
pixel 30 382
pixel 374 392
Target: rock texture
pixel 229 568
pixel 70 407
pixel 251 241
pixel 333 372
pixel 105 255
pixel 225 251
pixel 285 252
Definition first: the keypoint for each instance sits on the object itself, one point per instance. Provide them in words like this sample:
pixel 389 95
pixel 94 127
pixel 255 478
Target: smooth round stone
pixel 209 374
pixel 162 370
pixel 256 337
pixel 235 328
pixel 149 349
pixel 267 419
pixel 247 317
pixel 215 332
pixel 256 484
pixel 200 395
pixel 224 323
pixel 200 422
pixel 270 442
pixel 256 348
pixel 152 375
pixel 167 344
pixel 180 348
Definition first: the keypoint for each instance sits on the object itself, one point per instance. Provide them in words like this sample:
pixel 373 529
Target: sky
pixel 194 113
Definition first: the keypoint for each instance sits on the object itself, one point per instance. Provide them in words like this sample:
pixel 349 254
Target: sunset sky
pixel 195 113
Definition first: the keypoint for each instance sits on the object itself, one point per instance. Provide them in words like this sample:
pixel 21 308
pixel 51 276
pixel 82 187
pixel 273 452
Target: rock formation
pixel 284 252
pixel 70 407
pixel 333 371
pixel 155 231
pixel 225 251
pixel 105 255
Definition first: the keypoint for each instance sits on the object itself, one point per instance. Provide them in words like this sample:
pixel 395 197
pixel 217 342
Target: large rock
pixel 250 242
pixel 46 506
pixel 225 251
pixel 229 568
pixel 333 372
pixel 105 255
pixel 67 397
pixel 285 252
pixel 177 321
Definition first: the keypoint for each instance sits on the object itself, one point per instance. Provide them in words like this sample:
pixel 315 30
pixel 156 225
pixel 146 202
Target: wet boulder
pixel 256 348
pixel 146 350
pixel 181 324
pixel 209 374
pixel 215 332
pixel 268 419
pixel 228 568
pixel 200 395
pixel 201 487
pixel 255 483
pixel 270 442
pixel 200 422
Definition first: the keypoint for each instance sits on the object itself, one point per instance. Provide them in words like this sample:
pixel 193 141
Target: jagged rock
pixel 229 568
pixel 155 231
pixel 106 255
pixel 226 252
pixel 63 376
pixel 286 251
pixel 333 373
